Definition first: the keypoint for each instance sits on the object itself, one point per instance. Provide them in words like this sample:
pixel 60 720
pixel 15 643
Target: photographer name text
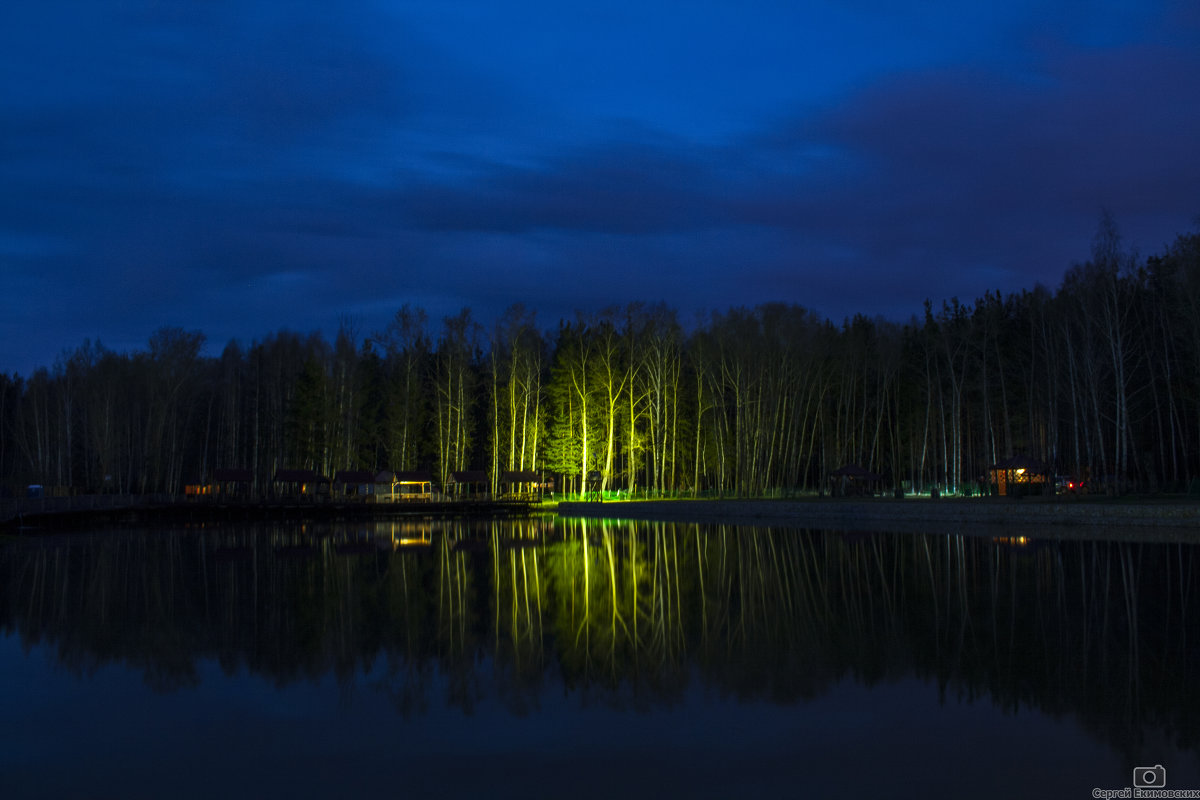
pixel 1109 794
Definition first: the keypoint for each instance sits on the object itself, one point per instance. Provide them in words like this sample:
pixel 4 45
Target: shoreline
pixel 1175 519
pixel 57 514
pixel 1158 520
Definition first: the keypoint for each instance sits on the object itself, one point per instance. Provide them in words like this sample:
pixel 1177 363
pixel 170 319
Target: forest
pixel 1100 379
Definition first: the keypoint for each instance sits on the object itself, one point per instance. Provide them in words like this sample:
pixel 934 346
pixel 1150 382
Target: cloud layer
pixel 239 167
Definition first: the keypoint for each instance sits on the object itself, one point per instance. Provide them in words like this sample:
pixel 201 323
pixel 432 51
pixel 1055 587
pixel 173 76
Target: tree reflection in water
pixel 628 614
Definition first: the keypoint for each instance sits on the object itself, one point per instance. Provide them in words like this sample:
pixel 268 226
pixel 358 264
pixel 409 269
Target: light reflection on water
pixel 505 656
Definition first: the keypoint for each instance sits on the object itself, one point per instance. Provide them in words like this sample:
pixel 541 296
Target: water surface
pixel 549 657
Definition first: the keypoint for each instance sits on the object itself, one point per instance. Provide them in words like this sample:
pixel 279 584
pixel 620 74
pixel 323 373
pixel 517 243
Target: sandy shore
pixel 1089 518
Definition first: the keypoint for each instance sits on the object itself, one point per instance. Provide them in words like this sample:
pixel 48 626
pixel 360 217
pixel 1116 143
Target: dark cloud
pixel 930 185
pixel 631 188
pixel 968 176
pixel 239 167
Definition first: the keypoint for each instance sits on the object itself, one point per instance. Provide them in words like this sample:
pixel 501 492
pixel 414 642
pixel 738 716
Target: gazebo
pixel 412 486
pixel 520 485
pixel 468 484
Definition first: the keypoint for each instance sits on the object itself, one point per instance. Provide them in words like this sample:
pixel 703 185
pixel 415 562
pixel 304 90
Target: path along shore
pixel 1088 518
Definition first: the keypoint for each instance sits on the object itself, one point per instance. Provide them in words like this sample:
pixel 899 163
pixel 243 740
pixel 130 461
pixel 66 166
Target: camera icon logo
pixel 1150 777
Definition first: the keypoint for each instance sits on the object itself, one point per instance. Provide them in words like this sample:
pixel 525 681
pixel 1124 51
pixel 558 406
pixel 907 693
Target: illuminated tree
pixel 610 377
pixel 657 386
pixel 515 366
pixel 576 436
pixel 455 388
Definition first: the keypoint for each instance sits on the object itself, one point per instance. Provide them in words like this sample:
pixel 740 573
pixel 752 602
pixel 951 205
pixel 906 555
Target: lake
pixel 551 657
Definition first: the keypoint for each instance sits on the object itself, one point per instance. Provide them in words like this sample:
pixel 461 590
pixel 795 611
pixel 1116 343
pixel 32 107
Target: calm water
pixel 550 658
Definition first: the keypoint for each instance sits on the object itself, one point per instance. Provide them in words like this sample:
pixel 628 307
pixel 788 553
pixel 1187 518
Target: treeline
pixel 1100 379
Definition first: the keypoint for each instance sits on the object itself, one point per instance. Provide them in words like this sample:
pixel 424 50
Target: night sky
pixel 240 166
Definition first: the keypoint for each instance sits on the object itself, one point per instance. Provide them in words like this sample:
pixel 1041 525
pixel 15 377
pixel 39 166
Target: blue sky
pixel 238 166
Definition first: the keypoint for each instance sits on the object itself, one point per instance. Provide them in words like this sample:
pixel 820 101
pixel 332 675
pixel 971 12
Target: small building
pixel 233 482
pixel 193 491
pixel 410 486
pixel 1020 475
pixel 304 483
pixel 520 485
pixel 593 484
pixel 468 485
pixel 353 483
pixel 224 484
pixel 385 481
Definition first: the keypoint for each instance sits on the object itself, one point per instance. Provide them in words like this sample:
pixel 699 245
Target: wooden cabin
pixel 1020 475
pixel 300 483
pixel 355 484
pixel 233 482
pixel 224 484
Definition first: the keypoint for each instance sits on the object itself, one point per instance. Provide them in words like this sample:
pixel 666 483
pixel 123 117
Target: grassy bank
pixel 1092 517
